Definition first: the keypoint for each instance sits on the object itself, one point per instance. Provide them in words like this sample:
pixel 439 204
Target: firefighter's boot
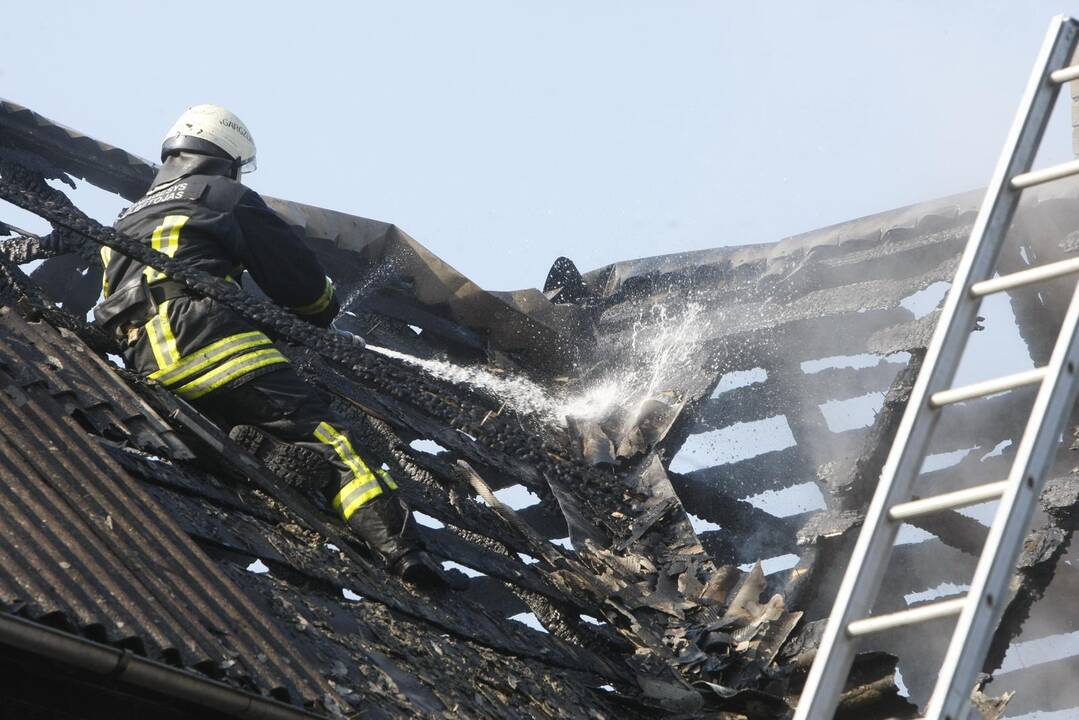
pixel 389 529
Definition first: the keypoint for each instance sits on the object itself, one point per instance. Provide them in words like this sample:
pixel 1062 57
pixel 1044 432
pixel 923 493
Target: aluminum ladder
pixel 980 609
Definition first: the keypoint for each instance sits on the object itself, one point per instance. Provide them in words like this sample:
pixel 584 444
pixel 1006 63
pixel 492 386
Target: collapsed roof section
pixel 711 386
pixel 806 335
pixel 380 269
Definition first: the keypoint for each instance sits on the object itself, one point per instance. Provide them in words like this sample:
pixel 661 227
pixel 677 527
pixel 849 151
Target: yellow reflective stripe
pixel 229 371
pixel 386 478
pixel 319 305
pixel 329 435
pixel 353 489
pixel 351 504
pixel 166 239
pixel 106 255
pixel 363 486
pixel 171 353
pixel 153 334
pixel 355 494
pixel 162 341
pixel 204 357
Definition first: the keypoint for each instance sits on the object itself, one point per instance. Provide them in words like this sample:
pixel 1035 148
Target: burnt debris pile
pixel 702 432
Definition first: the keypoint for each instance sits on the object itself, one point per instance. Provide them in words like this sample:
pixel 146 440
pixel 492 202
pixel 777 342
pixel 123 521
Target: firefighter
pixel 197 211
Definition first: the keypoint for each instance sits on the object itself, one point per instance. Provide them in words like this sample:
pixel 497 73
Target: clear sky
pixel 503 134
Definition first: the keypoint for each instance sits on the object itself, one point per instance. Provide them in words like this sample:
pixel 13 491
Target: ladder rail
pixel 865 571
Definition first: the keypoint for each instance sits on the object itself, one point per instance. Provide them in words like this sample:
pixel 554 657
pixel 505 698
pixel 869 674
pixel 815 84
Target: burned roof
pixel 677 585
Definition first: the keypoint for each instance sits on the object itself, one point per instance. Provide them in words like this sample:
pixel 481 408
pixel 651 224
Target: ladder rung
pixel 948 501
pixel 1037 177
pixel 1025 277
pixel 987 387
pixel 1064 75
pixel 913 616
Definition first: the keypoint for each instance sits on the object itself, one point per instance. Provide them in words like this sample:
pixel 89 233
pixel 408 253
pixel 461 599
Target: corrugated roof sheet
pixel 84 546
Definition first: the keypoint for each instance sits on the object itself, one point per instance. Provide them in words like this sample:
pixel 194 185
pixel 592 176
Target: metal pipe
pixel 1038 177
pixel 925 613
pixel 948 501
pixel 986 387
pixel 1025 277
pixel 143 672
pixel 19 231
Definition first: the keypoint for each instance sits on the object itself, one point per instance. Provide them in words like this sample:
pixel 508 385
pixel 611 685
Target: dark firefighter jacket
pixel 196 214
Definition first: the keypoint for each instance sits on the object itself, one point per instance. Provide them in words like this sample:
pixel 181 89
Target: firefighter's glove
pixel 350 338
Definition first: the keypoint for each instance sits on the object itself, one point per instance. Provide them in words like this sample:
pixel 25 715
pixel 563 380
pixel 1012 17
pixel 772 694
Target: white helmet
pixel 211 125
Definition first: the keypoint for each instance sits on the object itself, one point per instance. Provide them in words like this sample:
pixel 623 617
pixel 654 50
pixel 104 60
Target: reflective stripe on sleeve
pixel 318 305
pixel 166 239
pixel 232 370
pixel 209 355
pixel 363 487
pixel 162 340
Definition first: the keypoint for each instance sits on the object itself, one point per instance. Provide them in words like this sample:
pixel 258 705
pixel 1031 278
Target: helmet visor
pixel 248 167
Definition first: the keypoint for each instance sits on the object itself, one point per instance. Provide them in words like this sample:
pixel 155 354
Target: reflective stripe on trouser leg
pixel 196 362
pixel 162 339
pixel 230 371
pixel 363 487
